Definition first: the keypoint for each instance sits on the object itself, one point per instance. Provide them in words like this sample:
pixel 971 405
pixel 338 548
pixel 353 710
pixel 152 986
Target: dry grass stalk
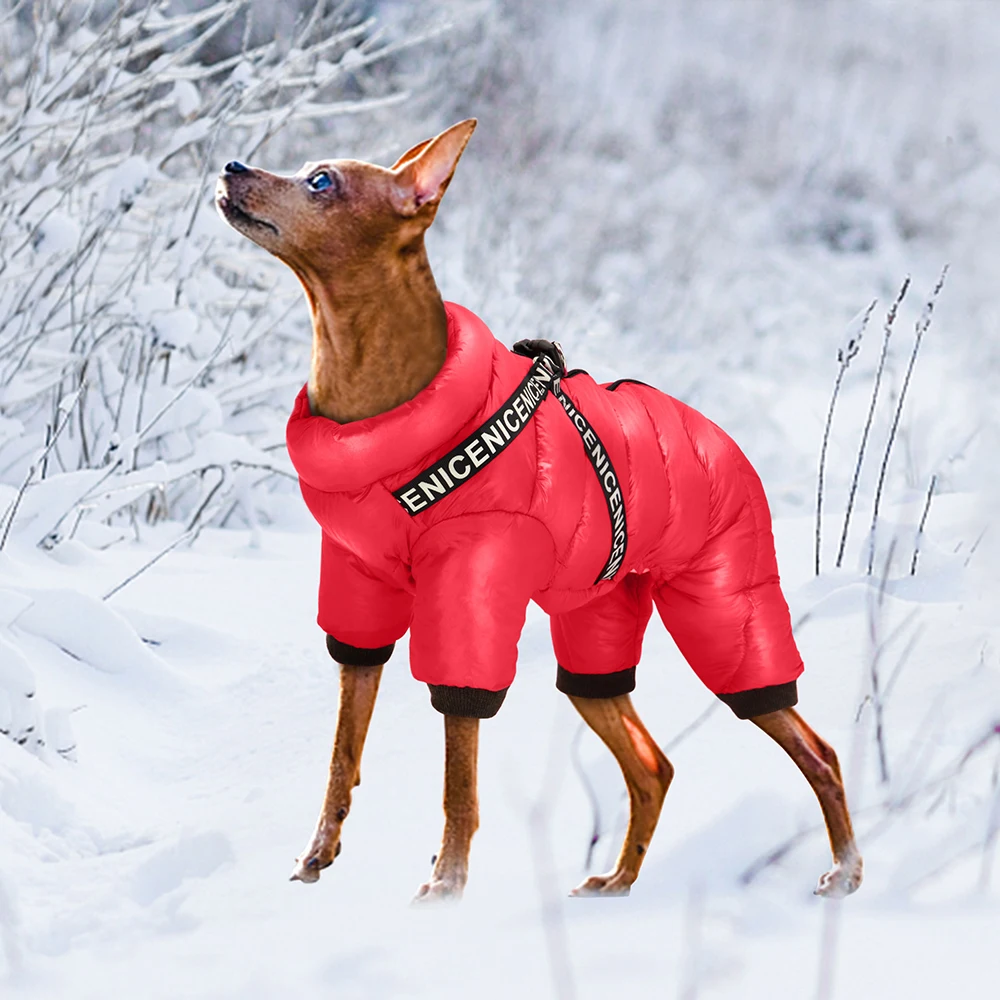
pixel 920 529
pixel 845 354
pixel 886 334
pixel 922 325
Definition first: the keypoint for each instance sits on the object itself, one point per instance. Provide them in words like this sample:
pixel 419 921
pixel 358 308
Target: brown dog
pixel 353 234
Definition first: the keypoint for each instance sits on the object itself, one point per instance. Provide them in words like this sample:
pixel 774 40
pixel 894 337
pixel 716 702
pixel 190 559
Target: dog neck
pixel 380 335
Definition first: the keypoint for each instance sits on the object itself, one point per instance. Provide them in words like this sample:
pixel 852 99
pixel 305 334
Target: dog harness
pixel 503 427
pixel 446 515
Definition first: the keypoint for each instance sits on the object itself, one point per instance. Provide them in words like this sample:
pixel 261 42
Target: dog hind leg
pixel 358 689
pixel 461 811
pixel 818 762
pixel 647 774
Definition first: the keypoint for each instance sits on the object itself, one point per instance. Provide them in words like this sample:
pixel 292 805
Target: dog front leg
pixel 647 774
pixel 461 810
pixel 818 762
pixel 358 689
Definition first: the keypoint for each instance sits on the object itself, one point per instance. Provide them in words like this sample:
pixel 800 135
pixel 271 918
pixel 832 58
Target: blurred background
pixel 708 189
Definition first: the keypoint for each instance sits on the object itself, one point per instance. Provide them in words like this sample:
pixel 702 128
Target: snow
pixel 86 629
pixel 187 97
pixel 166 846
pixel 706 197
pixel 127 180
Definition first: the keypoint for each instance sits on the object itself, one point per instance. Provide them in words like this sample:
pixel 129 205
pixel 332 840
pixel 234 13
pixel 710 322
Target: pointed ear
pixel 423 174
pixel 411 153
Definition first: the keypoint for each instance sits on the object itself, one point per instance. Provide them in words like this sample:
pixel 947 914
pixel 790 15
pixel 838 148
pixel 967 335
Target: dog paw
pixel 617 883
pixel 309 865
pixel 439 890
pixel 841 880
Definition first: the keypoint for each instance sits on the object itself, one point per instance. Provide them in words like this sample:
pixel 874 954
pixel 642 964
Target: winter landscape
pixel 727 199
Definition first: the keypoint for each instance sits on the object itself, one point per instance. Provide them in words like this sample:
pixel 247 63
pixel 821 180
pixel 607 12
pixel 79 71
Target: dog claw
pixel 840 881
pixel 308 867
pixel 438 891
pixel 308 871
pixel 612 884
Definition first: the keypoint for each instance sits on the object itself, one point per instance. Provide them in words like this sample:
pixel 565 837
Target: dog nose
pixel 235 167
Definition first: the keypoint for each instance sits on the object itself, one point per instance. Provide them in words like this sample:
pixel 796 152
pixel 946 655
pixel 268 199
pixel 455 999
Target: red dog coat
pixel 534 523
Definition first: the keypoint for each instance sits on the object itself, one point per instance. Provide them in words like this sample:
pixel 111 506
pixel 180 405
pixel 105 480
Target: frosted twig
pixel 776 855
pixel 596 829
pixel 553 920
pixel 109 471
pixel 45 458
pixel 184 388
pixel 975 545
pixel 886 334
pixel 190 533
pixel 895 806
pixel 13 12
pixel 691 727
pixel 920 529
pixel 990 839
pixel 829 940
pixel 903 656
pixel 845 355
pixel 877 648
pixel 11 512
pixel 269 469
pixel 196 517
pixel 922 324
pixel 694 917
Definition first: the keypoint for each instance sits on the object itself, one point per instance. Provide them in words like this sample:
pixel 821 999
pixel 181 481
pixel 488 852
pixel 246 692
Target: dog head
pixel 335 216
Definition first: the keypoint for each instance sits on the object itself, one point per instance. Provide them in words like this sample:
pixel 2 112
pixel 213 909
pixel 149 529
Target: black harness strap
pixel 599 458
pixel 482 445
pixel 492 437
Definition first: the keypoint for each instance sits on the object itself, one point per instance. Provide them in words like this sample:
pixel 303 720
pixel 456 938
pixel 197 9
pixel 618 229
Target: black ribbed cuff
pixel 355 656
pixel 472 703
pixel 595 685
pixel 760 701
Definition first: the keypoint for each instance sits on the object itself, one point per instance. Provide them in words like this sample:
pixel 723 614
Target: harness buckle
pixel 537 348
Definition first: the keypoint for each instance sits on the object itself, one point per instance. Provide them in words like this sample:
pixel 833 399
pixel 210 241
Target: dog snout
pixel 235 167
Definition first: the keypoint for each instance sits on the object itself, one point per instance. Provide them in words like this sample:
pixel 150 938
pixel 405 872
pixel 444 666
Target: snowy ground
pixel 155 864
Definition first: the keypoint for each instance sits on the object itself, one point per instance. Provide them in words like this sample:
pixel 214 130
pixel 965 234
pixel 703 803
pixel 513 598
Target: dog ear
pixel 411 153
pixel 423 173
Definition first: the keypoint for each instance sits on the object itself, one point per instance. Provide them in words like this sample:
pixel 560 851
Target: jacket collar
pixel 336 457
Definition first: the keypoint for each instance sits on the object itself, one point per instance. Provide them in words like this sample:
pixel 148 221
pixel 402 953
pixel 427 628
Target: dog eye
pixel 320 181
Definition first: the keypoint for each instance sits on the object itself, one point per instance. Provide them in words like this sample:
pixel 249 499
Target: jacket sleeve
pixel 474 576
pixel 362 615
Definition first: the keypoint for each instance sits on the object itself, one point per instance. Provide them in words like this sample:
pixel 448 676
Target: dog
pixel 455 480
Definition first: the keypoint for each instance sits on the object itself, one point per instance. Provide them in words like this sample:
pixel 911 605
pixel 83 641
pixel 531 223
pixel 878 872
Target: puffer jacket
pixel 458 570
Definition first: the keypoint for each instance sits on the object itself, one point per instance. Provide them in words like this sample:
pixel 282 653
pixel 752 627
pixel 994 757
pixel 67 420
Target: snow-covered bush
pixel 147 352
pixel 139 339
